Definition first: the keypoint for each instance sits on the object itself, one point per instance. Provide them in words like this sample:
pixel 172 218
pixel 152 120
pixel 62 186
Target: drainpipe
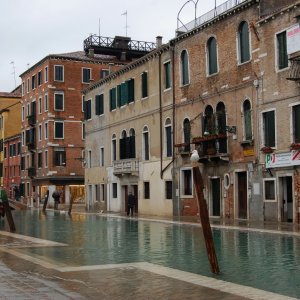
pixel 160 117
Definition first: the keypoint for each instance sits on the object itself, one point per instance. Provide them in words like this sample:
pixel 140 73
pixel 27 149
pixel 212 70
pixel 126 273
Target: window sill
pixel 145 98
pixel 184 85
pixel 212 75
pixel 167 90
pixel 244 63
pixel 282 70
pixel 247 143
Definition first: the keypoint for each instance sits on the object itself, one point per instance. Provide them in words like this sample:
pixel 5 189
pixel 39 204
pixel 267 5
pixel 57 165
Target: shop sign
pixel 287 159
pixel 248 152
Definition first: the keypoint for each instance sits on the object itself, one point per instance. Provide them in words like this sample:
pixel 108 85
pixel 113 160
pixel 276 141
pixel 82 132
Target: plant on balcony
pixel 295 146
pixel 266 149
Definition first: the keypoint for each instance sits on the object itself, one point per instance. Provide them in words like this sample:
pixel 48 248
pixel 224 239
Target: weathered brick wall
pixel 267 7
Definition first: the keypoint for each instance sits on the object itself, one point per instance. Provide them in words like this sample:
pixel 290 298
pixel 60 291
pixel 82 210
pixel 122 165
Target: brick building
pixel 52 136
pixel 232 98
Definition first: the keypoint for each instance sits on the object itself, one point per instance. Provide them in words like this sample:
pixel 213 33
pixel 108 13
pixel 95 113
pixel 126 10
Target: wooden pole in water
pixel 203 211
pixel 8 214
pixel 46 201
pixel 71 206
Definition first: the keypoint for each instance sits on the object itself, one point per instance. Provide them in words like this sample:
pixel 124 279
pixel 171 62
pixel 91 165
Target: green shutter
pixel 144 84
pixel 124 94
pixel 101 104
pixel 282 50
pixel 131 90
pixel 212 56
pixel 119 95
pixel 269 128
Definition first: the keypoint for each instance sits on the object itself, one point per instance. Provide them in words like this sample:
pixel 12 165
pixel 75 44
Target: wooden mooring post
pixel 203 211
pixel 7 211
pixel 46 201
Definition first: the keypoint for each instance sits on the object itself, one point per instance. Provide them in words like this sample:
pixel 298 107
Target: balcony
pixel 126 166
pixel 31 120
pixel 31 172
pixel 294 72
pixel 31 146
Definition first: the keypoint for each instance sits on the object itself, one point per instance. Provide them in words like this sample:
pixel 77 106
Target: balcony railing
pixel 31 120
pixel 294 72
pixel 126 166
pixel 31 172
pixel 31 145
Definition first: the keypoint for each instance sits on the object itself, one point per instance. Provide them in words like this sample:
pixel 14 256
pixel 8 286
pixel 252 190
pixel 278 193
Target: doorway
pixel 215 197
pixel 286 198
pixel 134 189
pixel 242 195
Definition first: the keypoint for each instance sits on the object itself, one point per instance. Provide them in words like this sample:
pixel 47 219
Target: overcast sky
pixel 32 29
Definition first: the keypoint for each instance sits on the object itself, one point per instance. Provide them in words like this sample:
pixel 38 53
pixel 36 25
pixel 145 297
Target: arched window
pixel 123 145
pixel 168 138
pixel 113 147
pixel 131 143
pixel 247 120
pixel 212 56
pixel 145 143
pixel 244 46
pixel 221 127
pixel 184 67
pixel 209 125
pixel 187 134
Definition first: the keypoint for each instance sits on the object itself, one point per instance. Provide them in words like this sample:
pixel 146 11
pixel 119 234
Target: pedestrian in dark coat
pixel 130 204
pixel 56 196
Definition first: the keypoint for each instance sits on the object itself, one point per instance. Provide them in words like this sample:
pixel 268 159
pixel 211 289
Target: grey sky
pixel 32 29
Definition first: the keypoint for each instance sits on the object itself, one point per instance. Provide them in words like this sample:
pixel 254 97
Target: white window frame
pixel 28 109
pixel 46 102
pixel 40 105
pixel 40 132
pixel 63 100
pixel 207 58
pixel 83 68
pixel 28 85
pixel 238 50
pixel 46 158
pixel 164 65
pixel 243 118
pixel 63 73
pixel 165 137
pixel 276 53
pixel 275 189
pixel 143 143
pixel 89 159
pixel 23 88
pixel 46 74
pixel 46 130
pixel 180 68
pixel 63 133
pixel 101 162
pixel 114 138
pixel 292 120
pixel 83 131
pixel 40 71
pixel 262 127
pixel 23 113
pixel 23 138
pixel 35 81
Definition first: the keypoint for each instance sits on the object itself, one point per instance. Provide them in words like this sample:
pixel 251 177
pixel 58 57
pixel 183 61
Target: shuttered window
pixel 99 109
pixel 112 99
pixel 282 50
pixel 296 121
pixel 184 67
pixel 269 128
pixel 58 73
pixel 144 84
pixel 130 84
pixel 167 69
pixel 247 120
pixel 244 46
pixel 88 109
pixel 212 56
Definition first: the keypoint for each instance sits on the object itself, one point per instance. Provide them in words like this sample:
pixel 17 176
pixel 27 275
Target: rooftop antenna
pixel 14 72
pixel 126 26
pixel 195 18
pixel 99 26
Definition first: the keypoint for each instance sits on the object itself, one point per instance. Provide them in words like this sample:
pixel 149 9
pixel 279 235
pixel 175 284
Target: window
pixel 5 154
pixel 168 138
pixel 82 103
pixel 40 159
pixel 46 130
pixel 86 75
pixel 99 105
pixel 40 132
pixel 33 82
pixel 23 113
pixel 59 101
pixel 146 190
pixel 102 157
pixel 89 163
pixel 19 148
pixel 114 190
pixel 1 145
pixel 102 189
pixel 22 163
pixel 125 93
pixel 247 120
pixel 46 102
pixel 46 159
pixel 184 61
pixel 186 182
pixel 244 46
pixel 145 143
pixel 269 190
pixel 88 109
pixel 144 78
pixel 112 99
pixel 28 85
pixel 114 148
pixel 167 74
pixel 83 130
pixel 296 123
pixel 23 138
pixel 187 134
pixel 58 129
pixel 127 145
pixel 10 150
pixel 40 105
pixel 46 74
pixel 269 128
pixel 59 73
pixel 169 186
pixel 212 56
pixel 221 126
pixel 59 157
pixel 40 78
pixel 23 88
pixel 282 56
pixel 14 149
pixel 104 73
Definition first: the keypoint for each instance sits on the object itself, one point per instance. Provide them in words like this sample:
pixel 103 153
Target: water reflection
pixel 266 261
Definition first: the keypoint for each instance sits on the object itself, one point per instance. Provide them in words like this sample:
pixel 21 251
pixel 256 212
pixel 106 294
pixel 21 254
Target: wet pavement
pixel 27 277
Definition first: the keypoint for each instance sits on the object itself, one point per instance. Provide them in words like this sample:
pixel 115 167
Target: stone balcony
pixel 128 166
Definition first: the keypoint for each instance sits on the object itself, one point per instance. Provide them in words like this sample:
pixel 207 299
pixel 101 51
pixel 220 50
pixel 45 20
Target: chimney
pixel 110 68
pixel 91 53
pixel 158 41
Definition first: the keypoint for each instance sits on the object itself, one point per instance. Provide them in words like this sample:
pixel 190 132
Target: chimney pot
pixel 91 52
pixel 158 41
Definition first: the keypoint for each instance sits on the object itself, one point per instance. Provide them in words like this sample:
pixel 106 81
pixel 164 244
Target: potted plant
pixel 295 146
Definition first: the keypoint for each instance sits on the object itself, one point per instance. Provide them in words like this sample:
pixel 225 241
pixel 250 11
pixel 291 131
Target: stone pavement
pixel 26 277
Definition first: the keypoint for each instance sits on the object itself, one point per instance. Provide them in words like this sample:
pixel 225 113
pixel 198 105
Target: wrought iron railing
pixel 294 72
pixel 108 42
pixel 220 9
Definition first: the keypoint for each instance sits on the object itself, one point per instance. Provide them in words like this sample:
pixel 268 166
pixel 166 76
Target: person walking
pixel 130 203
pixel 56 196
